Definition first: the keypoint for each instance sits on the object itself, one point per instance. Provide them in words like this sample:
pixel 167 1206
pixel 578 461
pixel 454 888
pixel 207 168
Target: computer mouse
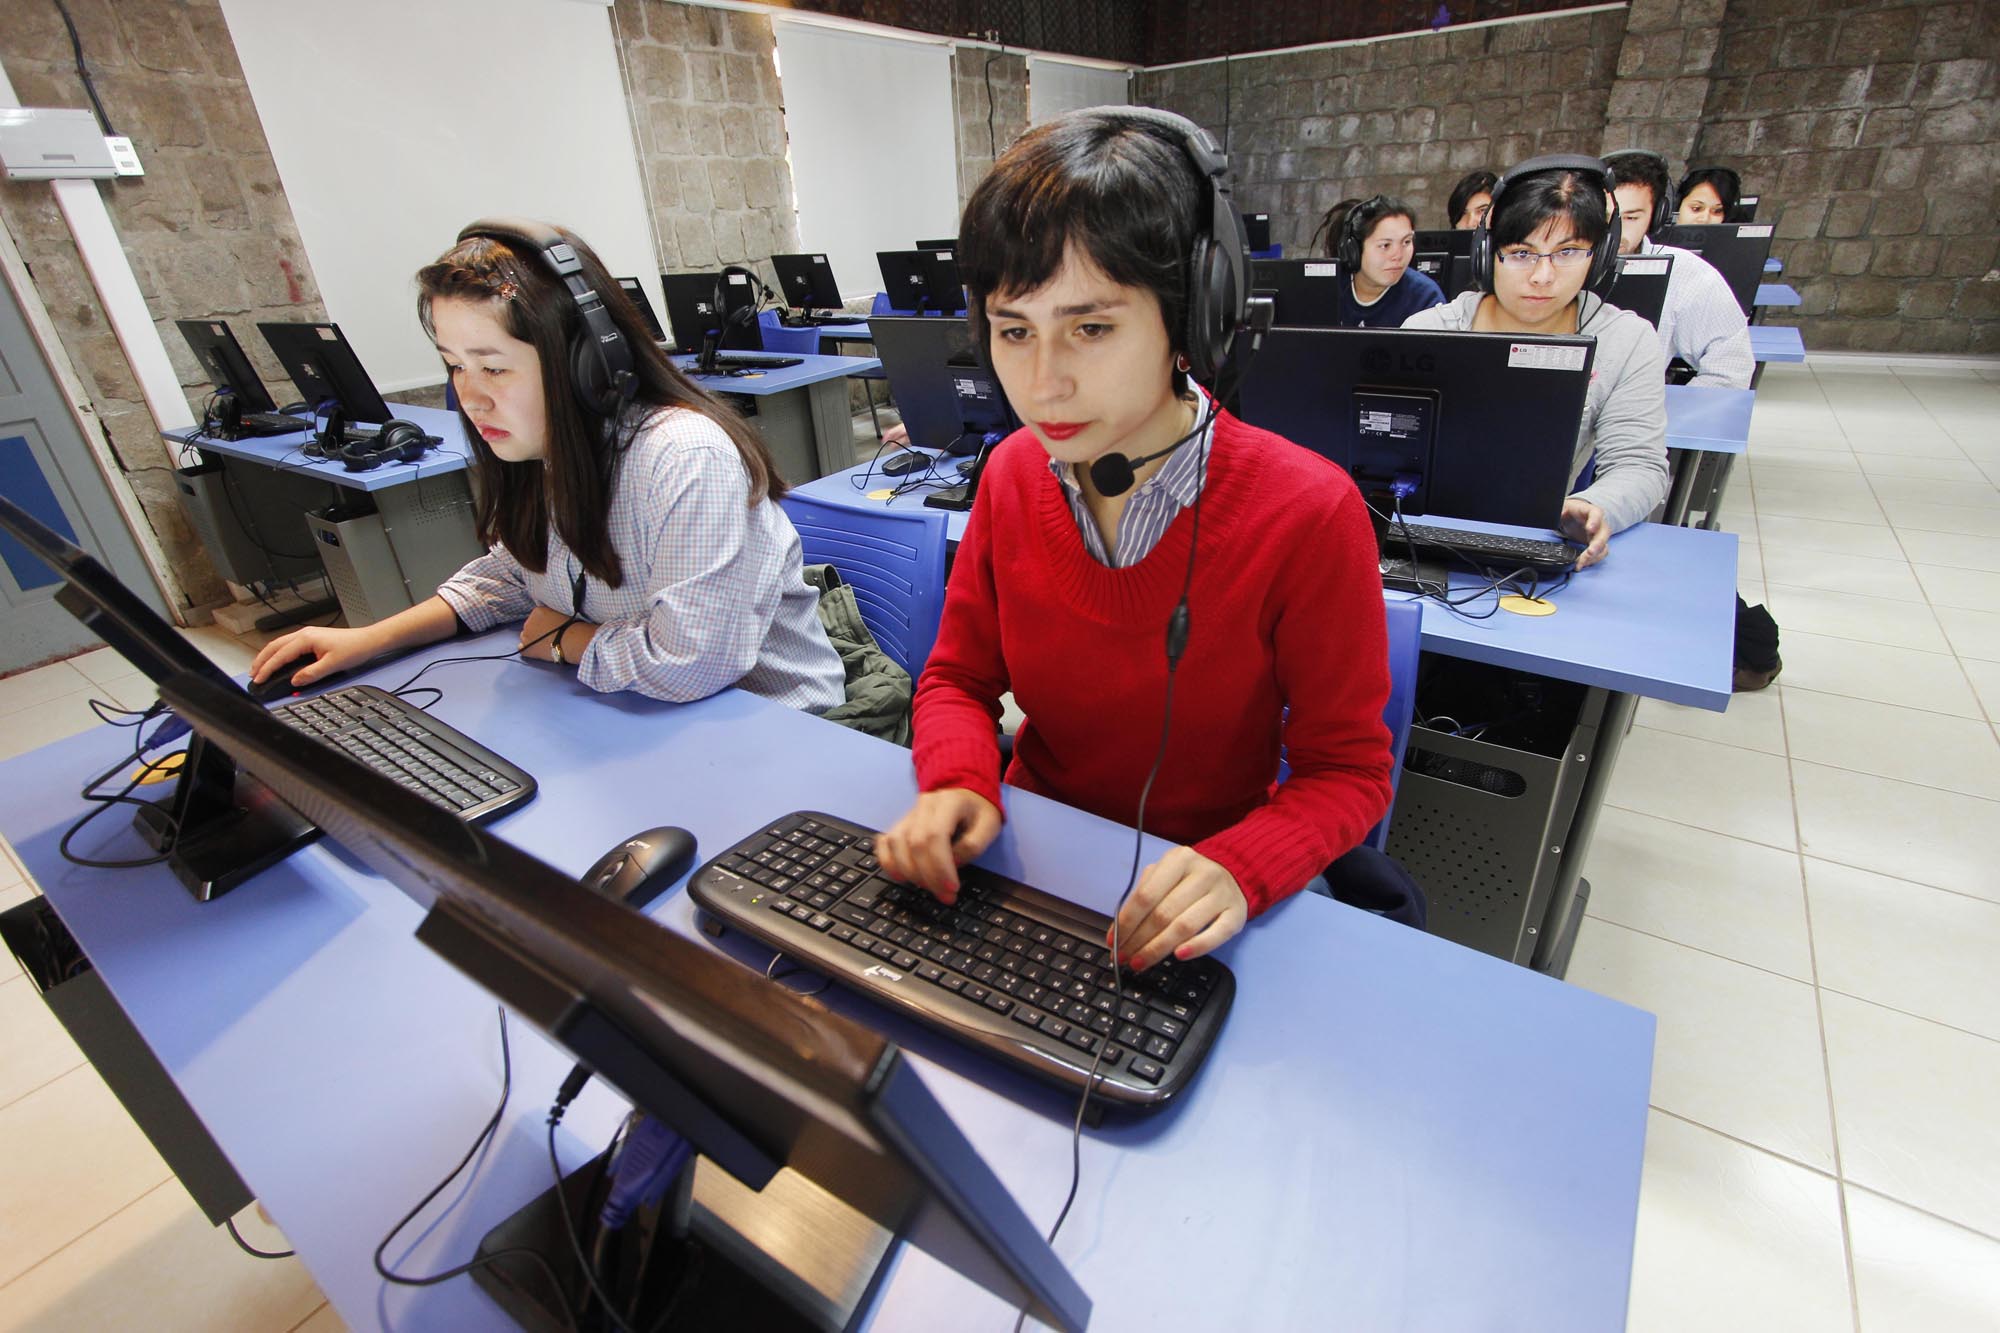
pixel 905 463
pixel 278 685
pixel 640 868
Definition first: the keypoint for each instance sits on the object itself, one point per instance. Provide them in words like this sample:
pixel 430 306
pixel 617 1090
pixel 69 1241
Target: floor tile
pixel 1952 549
pixel 1798 455
pixel 1776 476
pixel 158 1265
pixel 1974 589
pixel 1913 1102
pixel 1918 833
pixel 89 1160
pixel 1870 539
pixel 1916 1274
pixel 50 720
pixel 101 664
pixel 1886 437
pixel 1928 469
pixel 1901 622
pixel 1972 633
pixel 30 689
pixel 1929 749
pixel 222 648
pixel 1780 503
pixel 35 1049
pixel 1737 1050
pixel 1739 899
pixel 323 1320
pixel 1733 1238
pixel 1907 946
pixel 1753 720
pixel 1977 493
pixel 1931 681
pixel 1931 516
pixel 1799 567
pixel 1717 787
pixel 1985 678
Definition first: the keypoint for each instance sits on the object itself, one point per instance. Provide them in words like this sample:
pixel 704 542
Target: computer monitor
pixel 326 371
pixel 691 310
pixel 1257 226
pixel 948 243
pixel 949 401
pixel 644 305
pixel 214 345
pixel 1737 251
pixel 1746 208
pixel 1484 423
pixel 943 288
pixel 754 1077
pixel 903 280
pixel 807 282
pixel 1445 257
pixel 1641 285
pixel 1305 293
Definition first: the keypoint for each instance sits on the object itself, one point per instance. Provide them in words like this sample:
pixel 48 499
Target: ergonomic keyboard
pixel 1020 974
pixel 754 363
pixel 1482 548
pixel 402 742
pixel 272 423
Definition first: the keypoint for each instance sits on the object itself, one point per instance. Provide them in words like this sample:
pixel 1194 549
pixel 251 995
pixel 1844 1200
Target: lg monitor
pixel 949 401
pixel 944 290
pixel 1257 226
pixel 1736 250
pixel 751 1076
pixel 1641 286
pixel 693 313
pixel 1746 208
pixel 214 345
pixel 1305 293
pixel 326 371
pixel 903 280
pixel 1484 425
pixel 644 305
pixel 1445 257
pixel 807 282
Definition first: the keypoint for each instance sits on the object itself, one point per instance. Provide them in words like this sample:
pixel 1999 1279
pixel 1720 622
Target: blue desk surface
pixel 1393 1132
pixel 1656 618
pixel 811 370
pixel 1778 294
pixel 828 333
pixel 283 451
pixel 1776 342
pixel 1712 419
pixel 1774 266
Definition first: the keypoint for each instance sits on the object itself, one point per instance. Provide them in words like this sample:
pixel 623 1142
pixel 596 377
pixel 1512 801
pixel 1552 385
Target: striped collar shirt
pixel 1151 510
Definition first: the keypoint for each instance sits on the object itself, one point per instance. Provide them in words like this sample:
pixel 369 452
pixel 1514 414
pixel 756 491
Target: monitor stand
pixel 790 1258
pixel 221 825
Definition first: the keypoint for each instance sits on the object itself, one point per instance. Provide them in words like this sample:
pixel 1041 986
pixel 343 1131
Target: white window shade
pixel 394 124
pixel 1056 86
pixel 873 142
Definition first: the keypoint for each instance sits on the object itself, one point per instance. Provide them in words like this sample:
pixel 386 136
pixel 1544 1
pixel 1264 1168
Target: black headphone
pixel 396 442
pixel 743 315
pixel 1354 229
pixel 1663 190
pixel 225 416
pixel 600 362
pixel 1603 258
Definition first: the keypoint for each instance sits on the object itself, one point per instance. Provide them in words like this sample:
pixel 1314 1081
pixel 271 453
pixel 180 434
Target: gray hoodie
pixel 1624 412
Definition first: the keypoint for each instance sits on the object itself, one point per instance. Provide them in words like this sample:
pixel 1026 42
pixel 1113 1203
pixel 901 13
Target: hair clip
pixel 508 291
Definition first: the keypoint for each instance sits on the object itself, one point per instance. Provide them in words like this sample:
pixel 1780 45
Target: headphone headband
pixel 1603 259
pixel 601 365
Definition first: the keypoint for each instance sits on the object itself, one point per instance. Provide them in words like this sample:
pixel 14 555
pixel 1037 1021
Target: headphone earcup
pixel 1482 259
pixel 1212 307
pixel 588 372
pixel 402 440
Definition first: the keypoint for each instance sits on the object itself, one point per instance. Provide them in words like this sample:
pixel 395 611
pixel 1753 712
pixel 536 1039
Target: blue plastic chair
pixel 786 341
pixel 894 561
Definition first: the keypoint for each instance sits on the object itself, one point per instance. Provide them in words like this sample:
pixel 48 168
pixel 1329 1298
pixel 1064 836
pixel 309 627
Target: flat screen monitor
pixel 1737 250
pixel 1746 208
pixel 755 1077
pixel 1445 257
pixel 214 345
pixel 1305 293
pixel 326 371
pixel 944 290
pixel 1486 423
pixel 644 305
pixel 903 280
pixel 693 314
pixel 1257 226
pixel 807 282
pixel 1641 285
pixel 948 243
pixel 949 401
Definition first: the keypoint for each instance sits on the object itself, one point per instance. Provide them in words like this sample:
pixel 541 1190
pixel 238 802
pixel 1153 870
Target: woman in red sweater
pixel 1076 255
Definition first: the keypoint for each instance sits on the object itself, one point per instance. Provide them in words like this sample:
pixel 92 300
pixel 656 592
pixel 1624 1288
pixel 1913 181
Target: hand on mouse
pixel 313 652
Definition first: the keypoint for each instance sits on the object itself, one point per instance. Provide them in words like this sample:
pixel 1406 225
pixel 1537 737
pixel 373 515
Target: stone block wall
pixel 709 121
pixel 207 229
pixel 971 68
pixel 1405 116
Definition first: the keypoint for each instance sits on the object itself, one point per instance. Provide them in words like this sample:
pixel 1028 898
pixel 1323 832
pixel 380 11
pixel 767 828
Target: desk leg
pixel 1572 892
pixel 833 426
pixel 1684 463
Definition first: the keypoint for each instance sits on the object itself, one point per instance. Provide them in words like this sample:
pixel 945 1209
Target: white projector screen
pixel 394 124
pixel 1056 86
pixel 874 152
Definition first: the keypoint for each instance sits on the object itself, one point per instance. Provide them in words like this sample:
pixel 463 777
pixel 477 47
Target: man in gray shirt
pixel 1700 324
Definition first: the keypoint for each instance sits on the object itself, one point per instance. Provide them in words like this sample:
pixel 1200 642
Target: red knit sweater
pixel 1285 611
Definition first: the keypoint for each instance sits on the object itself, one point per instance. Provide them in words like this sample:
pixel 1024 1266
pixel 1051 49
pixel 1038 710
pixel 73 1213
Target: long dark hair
pixel 1326 236
pixel 516 501
pixel 1728 186
pixel 1470 185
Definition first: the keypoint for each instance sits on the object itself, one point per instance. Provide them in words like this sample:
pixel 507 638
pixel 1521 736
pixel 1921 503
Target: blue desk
pixel 284 452
pixel 1774 266
pixel 1776 342
pixel 801 410
pixel 1707 427
pixel 1778 294
pixel 1393 1132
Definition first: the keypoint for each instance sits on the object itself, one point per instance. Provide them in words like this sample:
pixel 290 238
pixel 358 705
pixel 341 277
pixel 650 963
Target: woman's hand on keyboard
pixel 1185 905
pixel 1584 522
pixel 941 832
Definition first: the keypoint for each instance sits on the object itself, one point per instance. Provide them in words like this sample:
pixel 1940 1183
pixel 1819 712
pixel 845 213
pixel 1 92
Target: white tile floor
pixel 1804 889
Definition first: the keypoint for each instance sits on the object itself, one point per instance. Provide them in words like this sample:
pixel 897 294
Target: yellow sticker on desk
pixel 1527 606
pixel 885 493
pixel 164 769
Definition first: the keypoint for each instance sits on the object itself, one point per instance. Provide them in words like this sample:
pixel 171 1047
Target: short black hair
pixel 1122 191
pixel 1639 166
pixel 1727 185
pixel 1532 201
pixel 1473 183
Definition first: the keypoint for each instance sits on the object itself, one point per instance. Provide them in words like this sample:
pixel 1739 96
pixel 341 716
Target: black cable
pixel 123 797
pixel 250 1249
pixel 83 70
pixel 992 136
pixel 575 1241
pixel 482 657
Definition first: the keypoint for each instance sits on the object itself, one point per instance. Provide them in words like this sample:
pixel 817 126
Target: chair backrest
pixel 894 561
pixel 787 341
pixel 1406 633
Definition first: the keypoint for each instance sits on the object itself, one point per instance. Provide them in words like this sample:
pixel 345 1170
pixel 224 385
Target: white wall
pixel 1056 86
pixel 874 153
pixel 394 123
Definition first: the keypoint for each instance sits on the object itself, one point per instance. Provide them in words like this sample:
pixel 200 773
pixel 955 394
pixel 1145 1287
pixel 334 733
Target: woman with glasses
pixel 1544 228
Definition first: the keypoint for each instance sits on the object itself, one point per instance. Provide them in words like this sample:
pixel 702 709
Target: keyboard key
pixel 906 961
pixel 975 992
pixel 884 950
pixel 1173 1029
pixel 842 933
pixel 1159 1048
pixel 1028 1017
pixel 1152 1071
pixel 998 1003
pixel 953 982
pixel 1055 1027
pixel 1131 1034
pixel 1083 1039
pixel 820 921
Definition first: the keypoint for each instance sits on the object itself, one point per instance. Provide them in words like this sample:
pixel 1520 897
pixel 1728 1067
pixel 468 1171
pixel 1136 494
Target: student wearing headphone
pixel 1106 268
pixel 1708 195
pixel 1471 200
pixel 1374 240
pixel 1546 238
pixel 1700 322
pixel 632 518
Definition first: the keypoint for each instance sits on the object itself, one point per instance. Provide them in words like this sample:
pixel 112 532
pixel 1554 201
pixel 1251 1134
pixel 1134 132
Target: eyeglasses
pixel 1527 260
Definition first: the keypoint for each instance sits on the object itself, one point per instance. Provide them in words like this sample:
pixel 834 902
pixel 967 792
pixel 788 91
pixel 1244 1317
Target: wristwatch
pixel 555 648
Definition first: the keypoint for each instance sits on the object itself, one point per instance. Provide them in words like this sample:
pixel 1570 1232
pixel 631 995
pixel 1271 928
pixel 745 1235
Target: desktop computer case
pixel 360 564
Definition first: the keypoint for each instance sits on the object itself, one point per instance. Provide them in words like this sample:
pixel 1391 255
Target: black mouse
pixel 640 868
pixel 905 463
pixel 278 685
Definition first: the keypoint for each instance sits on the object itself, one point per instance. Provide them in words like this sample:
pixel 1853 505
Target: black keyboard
pixel 1483 548
pixel 1011 970
pixel 401 741
pixel 272 423
pixel 723 363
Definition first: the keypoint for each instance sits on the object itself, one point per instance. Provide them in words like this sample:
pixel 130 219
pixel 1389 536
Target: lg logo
pixel 1383 361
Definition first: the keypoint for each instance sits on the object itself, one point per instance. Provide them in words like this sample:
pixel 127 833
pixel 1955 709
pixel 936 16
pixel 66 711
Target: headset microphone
pixel 1114 473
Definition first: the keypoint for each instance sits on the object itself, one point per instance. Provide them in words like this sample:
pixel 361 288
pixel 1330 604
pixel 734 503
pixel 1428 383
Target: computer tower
pixel 360 564
pixel 248 522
